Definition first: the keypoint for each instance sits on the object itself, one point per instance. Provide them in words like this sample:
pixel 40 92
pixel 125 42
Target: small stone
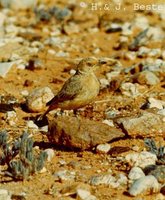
pixel 135 173
pixel 84 195
pixel 62 162
pixel 5 68
pixel 135 148
pixel 44 129
pixel 106 179
pixel 141 159
pixel 130 89
pixel 155 103
pixel 65 175
pixel 24 93
pixel 50 154
pixel 104 83
pixel 122 179
pixel 108 122
pixel 11 117
pixel 30 124
pixel 144 185
pixel 5 194
pixel 103 148
pixel 72 71
pixel 130 55
pixel 37 99
pixel 143 51
pixel 147 77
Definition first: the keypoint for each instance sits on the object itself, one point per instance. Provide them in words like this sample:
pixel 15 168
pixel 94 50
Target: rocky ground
pixel 110 149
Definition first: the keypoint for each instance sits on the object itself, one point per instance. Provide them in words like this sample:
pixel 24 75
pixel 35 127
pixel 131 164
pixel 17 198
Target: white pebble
pixel 144 185
pixel 72 71
pixel 141 159
pixel 84 195
pixel 135 173
pixel 108 122
pixel 37 99
pixel 50 153
pixel 24 93
pixel 103 148
pixel 30 124
pixel 104 82
pixel 44 129
pixel 155 103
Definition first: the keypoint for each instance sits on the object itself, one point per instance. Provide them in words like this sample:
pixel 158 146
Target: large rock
pixel 145 124
pixel 80 133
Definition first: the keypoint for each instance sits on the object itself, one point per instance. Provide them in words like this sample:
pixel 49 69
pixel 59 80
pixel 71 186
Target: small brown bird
pixel 79 90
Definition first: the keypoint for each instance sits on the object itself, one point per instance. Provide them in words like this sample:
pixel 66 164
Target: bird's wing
pixel 69 90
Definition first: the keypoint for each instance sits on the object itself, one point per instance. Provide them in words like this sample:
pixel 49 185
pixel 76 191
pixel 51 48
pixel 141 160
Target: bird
pixel 79 90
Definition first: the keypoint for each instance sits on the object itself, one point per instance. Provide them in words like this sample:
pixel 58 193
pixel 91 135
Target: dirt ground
pixel 54 72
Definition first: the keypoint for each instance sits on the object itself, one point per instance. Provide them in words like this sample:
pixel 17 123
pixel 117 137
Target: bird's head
pixel 87 65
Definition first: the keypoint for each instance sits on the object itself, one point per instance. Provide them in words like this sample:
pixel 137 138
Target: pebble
pixel 155 103
pixel 50 154
pixel 108 122
pixel 147 78
pixel 113 74
pixel 37 99
pixel 141 159
pixel 11 118
pixel 84 195
pixel 104 83
pixel 135 173
pixel 144 185
pixel 30 124
pixel 130 55
pixel 5 194
pixel 130 89
pixel 5 68
pixel 106 179
pixel 143 51
pixel 65 175
pixel 24 93
pixel 103 148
